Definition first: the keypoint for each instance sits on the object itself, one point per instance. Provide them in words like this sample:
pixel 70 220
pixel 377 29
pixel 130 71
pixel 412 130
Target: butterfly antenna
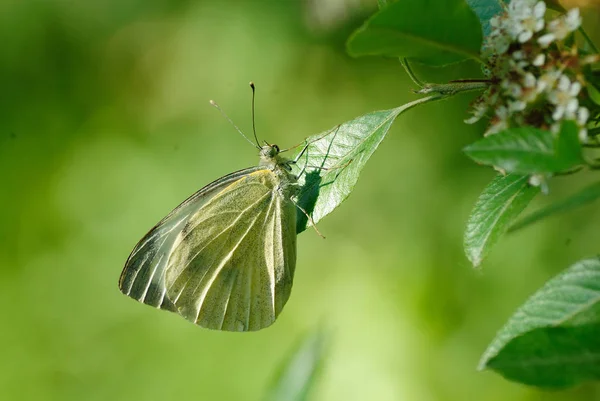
pixel 216 106
pixel 253 120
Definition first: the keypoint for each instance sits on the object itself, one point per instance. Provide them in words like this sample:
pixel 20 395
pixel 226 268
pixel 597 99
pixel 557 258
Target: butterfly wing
pixel 232 266
pixel 143 275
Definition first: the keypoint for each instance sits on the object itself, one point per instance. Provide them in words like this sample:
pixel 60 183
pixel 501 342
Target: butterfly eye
pixel 276 148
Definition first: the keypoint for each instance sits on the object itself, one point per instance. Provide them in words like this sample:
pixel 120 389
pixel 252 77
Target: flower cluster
pixel 536 79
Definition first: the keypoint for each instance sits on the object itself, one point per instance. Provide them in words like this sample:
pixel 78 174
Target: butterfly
pixel 225 258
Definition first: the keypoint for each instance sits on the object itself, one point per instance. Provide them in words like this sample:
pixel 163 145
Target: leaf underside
pixel 434 32
pixel 497 207
pixel 333 161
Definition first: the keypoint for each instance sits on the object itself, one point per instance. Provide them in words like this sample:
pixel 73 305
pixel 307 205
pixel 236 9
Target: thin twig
pixel 411 74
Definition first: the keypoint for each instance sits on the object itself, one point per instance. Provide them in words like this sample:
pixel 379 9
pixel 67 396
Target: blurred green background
pixel 106 126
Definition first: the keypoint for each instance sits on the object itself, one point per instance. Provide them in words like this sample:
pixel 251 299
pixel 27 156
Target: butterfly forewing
pixel 231 267
pixel 143 275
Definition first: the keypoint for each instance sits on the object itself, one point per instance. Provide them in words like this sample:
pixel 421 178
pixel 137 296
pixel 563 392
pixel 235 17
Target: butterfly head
pixel 269 152
pixel 270 156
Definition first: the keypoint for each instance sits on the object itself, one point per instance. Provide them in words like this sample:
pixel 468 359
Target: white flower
pixel 533 23
pixel 516 106
pixel 582 116
pixel 526 17
pixel 518 55
pixel 478 111
pixel 536 180
pixel 529 80
pixel 529 84
pixel 539 60
pixel 546 39
pixel 590 59
pixel 499 122
pixel 518 66
pixel 539 180
pixel 573 19
pixel 547 80
pixel 520 9
pixel 498 43
pixel 513 89
pixel 495 128
pixel 564 97
pixel 583 135
pixel 564 25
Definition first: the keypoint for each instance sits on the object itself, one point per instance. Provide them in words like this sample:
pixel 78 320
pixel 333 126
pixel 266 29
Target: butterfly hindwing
pixel 232 266
pixel 143 275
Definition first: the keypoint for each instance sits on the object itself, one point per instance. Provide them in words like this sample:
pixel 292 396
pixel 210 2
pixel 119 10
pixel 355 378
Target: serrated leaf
pixel 581 198
pixel 497 207
pixel 334 160
pixel 485 10
pixel 553 340
pixel 528 150
pixel 434 32
pixel 298 374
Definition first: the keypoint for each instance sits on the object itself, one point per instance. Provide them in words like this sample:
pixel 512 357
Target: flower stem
pixel 452 88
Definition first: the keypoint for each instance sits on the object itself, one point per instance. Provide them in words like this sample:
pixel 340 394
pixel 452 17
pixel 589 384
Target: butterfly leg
pixel 312 222
pixel 329 168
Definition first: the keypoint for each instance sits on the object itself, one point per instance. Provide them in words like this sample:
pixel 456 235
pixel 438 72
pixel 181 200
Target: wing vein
pixel 219 268
pixel 143 297
pixel 228 228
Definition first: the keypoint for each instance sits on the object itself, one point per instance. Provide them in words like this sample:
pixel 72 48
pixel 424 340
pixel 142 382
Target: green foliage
pixel 433 32
pixel 553 339
pixel 581 198
pixel 528 150
pixel 300 372
pixel 593 89
pixel 108 93
pixel 334 159
pixel 497 207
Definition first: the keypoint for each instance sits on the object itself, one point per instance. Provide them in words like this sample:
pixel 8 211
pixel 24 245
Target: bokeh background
pixel 105 126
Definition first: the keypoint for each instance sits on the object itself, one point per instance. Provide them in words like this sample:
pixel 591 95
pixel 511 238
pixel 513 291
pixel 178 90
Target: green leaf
pixel 299 373
pixel 593 93
pixel 528 150
pixel 567 146
pixel 335 158
pixel 553 340
pixel 583 197
pixel 485 10
pixel 552 357
pixel 592 78
pixel 497 207
pixel 555 5
pixel 435 32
